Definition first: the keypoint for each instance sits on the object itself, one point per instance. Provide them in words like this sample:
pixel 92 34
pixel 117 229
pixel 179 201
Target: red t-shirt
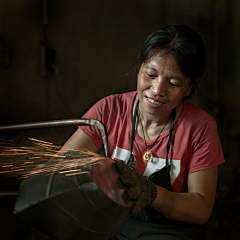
pixel 195 144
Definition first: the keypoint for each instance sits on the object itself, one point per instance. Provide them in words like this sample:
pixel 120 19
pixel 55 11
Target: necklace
pixel 148 157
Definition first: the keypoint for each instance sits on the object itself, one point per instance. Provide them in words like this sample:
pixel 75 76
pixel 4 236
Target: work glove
pixel 141 190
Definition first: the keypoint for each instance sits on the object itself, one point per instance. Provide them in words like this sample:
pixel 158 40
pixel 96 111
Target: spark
pixel 43 158
pixel 70 174
pixel 37 140
pixel 74 170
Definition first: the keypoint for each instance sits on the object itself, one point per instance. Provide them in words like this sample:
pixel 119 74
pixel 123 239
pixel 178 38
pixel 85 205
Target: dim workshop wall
pixel 66 55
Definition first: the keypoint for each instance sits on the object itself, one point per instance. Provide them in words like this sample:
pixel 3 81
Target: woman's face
pixel 161 85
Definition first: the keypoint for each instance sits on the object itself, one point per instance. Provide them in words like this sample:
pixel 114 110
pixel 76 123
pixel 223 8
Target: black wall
pixel 96 45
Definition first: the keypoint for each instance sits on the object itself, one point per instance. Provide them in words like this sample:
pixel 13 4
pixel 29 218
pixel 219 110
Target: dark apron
pixel 150 224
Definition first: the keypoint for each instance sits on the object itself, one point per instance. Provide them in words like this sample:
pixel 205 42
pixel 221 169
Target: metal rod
pixel 60 123
pixel 57 123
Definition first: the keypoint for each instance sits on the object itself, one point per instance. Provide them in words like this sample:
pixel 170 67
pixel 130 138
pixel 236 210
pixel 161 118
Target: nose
pixel 159 87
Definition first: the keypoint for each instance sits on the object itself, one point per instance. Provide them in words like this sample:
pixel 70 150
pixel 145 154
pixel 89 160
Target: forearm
pixel 186 207
pixel 194 206
pixel 79 140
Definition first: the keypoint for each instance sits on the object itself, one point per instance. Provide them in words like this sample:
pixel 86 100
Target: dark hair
pixel 186 46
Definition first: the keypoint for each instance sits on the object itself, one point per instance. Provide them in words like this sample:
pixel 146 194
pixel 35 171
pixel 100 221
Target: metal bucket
pixel 91 205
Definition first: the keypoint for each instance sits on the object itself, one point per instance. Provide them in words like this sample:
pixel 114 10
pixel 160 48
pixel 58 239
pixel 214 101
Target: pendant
pixel 148 157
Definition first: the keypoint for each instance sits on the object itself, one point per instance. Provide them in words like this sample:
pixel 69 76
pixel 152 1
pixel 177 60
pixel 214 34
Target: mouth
pixel 154 102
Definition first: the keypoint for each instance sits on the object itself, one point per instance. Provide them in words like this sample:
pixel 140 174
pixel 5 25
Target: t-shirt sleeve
pixel 206 150
pixel 98 111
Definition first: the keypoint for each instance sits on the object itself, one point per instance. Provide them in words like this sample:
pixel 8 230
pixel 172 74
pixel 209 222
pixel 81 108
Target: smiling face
pixel 161 86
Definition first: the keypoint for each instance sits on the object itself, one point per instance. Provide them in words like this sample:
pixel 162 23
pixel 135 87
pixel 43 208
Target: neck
pixel 152 125
pixel 149 136
pixel 153 121
pixel 150 120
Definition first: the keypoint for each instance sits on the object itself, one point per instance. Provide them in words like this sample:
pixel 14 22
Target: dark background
pixel 96 45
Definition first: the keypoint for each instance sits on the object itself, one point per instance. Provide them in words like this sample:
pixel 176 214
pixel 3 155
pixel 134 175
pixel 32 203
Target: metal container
pixel 91 205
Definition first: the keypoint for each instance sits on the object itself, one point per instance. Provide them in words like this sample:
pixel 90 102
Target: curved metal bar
pixel 57 123
pixel 60 123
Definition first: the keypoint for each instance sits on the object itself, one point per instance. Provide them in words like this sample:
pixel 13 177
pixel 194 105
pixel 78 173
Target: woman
pixel 172 143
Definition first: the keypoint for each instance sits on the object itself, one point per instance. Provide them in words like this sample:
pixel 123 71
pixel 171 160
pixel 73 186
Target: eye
pixel 172 84
pixel 150 75
pixel 175 82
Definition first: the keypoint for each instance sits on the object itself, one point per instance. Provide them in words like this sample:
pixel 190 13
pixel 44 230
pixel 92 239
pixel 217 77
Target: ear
pixel 190 89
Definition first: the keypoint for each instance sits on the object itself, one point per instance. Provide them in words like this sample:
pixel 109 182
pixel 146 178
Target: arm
pixel 99 111
pixel 196 205
pixel 78 140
